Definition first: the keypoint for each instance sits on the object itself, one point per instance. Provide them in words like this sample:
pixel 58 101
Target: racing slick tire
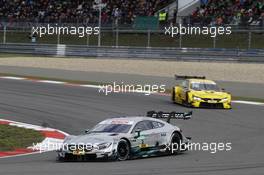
pixel 60 159
pixel 173 95
pixel 175 144
pixel 186 102
pixel 123 150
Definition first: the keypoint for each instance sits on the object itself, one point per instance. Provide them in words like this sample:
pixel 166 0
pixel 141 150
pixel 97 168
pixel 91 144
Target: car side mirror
pixel 86 131
pixel 138 131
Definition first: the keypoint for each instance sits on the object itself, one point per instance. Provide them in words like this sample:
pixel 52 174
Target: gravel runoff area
pixel 235 72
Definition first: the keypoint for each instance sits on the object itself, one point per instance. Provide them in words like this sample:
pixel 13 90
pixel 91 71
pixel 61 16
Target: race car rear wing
pixel 184 77
pixel 170 115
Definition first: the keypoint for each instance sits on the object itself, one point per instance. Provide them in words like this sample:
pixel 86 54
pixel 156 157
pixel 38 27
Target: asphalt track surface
pixel 73 109
pixel 239 89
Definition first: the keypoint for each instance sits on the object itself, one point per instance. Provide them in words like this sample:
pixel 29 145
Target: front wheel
pixel 60 159
pixel 186 102
pixel 123 150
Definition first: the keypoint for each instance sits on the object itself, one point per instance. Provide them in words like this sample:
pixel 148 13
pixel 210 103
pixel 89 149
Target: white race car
pixel 124 138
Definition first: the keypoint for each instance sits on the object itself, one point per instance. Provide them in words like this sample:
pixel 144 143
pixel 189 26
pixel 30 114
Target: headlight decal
pixel 103 146
pixel 195 98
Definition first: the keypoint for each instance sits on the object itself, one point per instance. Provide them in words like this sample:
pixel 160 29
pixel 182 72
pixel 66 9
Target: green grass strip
pixel 12 137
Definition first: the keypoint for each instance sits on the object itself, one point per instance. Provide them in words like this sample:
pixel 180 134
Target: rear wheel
pixel 173 95
pixel 175 143
pixel 123 150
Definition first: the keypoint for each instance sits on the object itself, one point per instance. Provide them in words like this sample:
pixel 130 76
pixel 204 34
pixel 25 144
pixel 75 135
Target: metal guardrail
pixel 185 54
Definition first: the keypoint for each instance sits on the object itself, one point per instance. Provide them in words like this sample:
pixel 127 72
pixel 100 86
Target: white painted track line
pixel 99 87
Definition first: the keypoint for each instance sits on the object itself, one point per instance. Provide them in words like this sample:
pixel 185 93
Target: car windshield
pixel 113 128
pixel 205 86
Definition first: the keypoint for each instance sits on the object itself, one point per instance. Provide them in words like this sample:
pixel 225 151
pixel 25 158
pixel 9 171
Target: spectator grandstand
pixel 131 22
pixel 80 11
pixel 231 12
pixel 210 12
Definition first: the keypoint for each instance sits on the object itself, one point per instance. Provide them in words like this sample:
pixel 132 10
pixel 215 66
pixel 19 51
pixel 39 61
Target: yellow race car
pixel 198 92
